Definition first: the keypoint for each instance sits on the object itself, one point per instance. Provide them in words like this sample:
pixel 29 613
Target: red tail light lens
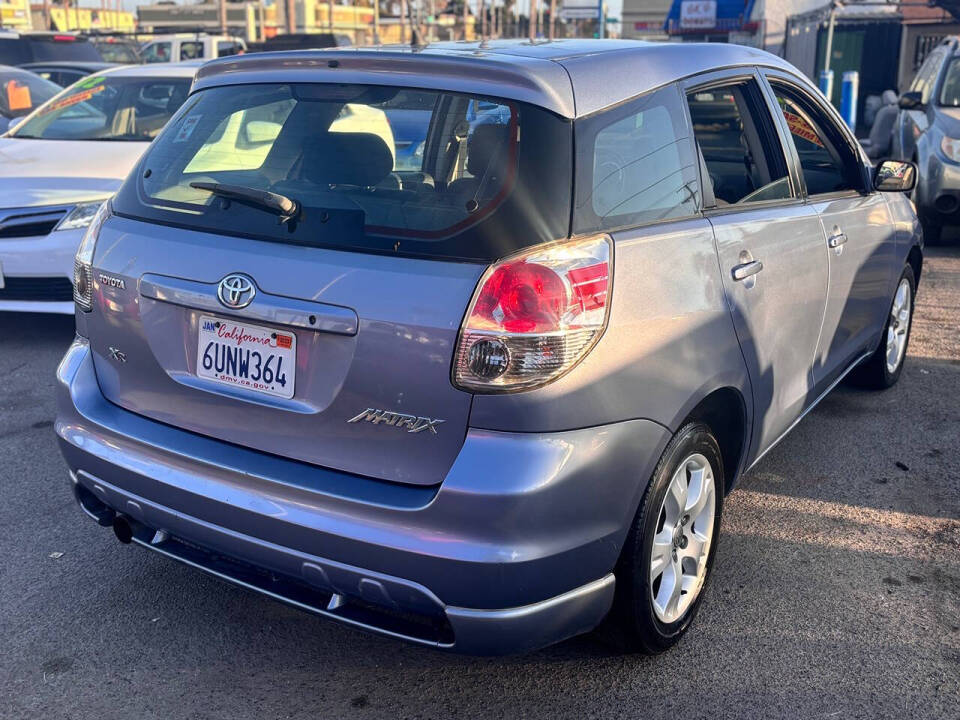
pixel 535 316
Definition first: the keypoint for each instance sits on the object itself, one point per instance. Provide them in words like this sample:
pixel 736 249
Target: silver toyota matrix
pixel 466 344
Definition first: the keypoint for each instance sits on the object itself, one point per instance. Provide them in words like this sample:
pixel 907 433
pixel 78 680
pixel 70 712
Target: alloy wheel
pixel 898 327
pixel 681 545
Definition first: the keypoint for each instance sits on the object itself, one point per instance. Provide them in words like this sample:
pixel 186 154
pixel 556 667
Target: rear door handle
pixel 837 240
pixel 748 269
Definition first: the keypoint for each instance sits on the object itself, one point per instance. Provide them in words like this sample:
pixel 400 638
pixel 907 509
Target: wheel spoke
pixel 701 488
pixel 673 602
pixel 676 499
pixel 661 556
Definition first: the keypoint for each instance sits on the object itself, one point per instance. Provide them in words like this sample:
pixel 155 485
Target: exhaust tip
pixel 122 529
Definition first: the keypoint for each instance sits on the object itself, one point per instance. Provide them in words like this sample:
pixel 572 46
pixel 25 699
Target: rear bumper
pixel 514 551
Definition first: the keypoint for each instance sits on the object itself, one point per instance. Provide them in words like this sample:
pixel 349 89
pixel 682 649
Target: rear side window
pixel 636 165
pixel 741 151
pixel 388 168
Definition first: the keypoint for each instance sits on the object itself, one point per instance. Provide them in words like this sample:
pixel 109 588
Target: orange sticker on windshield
pixel 801 128
pixel 18 96
pixel 72 99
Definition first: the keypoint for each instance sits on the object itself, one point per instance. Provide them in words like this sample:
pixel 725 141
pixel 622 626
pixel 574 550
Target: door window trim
pixel 731 76
pixel 832 116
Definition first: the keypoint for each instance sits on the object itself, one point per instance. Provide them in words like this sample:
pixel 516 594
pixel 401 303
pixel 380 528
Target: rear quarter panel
pixel 669 342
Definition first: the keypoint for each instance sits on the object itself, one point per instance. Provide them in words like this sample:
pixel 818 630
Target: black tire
pixel 873 373
pixel 633 625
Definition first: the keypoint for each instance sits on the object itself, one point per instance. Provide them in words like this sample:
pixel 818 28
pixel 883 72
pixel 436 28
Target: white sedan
pixel 61 161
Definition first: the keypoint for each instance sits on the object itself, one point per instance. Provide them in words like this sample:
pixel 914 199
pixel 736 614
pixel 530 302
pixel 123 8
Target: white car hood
pixel 59 172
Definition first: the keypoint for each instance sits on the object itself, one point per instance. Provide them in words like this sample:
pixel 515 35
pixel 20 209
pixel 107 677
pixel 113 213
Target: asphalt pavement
pixel 835 594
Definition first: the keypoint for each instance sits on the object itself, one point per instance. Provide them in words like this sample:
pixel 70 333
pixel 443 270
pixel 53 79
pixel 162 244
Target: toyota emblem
pixel 236 291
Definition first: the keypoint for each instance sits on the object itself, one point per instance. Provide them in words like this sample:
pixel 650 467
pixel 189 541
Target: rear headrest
pixel 488 143
pixel 889 97
pixel 336 158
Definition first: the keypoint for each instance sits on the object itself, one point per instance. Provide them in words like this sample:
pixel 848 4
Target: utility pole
pixel 466 16
pixel 403 22
pixel 262 35
pixel 532 20
pixel 330 14
pixel 376 22
pixel 222 15
pixel 291 9
pixel 483 20
pixel 553 19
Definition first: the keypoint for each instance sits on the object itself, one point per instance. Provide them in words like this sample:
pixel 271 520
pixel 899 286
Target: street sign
pixel 577 13
pixel 698 14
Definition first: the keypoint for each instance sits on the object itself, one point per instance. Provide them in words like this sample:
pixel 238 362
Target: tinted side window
pixel 827 162
pixel 157 52
pixel 927 76
pixel 191 50
pixel 736 136
pixel 636 164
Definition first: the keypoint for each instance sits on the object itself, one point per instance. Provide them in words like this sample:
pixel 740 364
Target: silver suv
pixel 489 392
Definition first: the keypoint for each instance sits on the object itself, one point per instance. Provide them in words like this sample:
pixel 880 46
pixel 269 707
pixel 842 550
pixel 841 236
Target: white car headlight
pixel 80 216
pixel 951 148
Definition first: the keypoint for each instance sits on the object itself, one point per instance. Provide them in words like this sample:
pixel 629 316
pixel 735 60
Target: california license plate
pixel 247 356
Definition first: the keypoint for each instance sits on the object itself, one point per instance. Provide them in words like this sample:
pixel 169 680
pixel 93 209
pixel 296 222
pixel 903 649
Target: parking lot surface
pixel 836 590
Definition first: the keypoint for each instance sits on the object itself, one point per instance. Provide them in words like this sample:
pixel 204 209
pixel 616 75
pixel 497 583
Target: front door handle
pixel 746 270
pixel 837 239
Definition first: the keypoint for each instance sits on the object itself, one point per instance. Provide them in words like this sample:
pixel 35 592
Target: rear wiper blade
pixel 280 205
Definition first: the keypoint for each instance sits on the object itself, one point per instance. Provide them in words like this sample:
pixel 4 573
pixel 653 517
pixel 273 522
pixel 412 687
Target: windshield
pixel 22 91
pixel 101 107
pixel 359 160
pixel 950 92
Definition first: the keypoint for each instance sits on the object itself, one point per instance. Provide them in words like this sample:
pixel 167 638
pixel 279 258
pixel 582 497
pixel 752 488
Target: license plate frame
pixel 246 356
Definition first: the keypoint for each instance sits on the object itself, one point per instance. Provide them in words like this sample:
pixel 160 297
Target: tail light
pixel 534 316
pixel 83 262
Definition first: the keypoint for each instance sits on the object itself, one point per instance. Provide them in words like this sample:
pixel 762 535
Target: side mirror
pixel 911 101
pixel 895 176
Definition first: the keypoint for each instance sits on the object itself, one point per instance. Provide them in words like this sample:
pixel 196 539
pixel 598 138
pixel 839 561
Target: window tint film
pixel 637 165
pixel 363 161
pixel 741 151
pixel 827 162
pixel 108 108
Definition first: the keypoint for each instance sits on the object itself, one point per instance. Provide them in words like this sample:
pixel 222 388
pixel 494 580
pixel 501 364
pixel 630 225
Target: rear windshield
pixel 370 167
pixel 43 48
pixel 105 107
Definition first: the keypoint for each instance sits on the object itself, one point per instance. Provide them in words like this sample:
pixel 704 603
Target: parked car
pixel 61 162
pixel 17 48
pixel 495 400
pixel 21 92
pixel 119 49
pixel 190 46
pixel 66 73
pixel 928 133
pixel 301 41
